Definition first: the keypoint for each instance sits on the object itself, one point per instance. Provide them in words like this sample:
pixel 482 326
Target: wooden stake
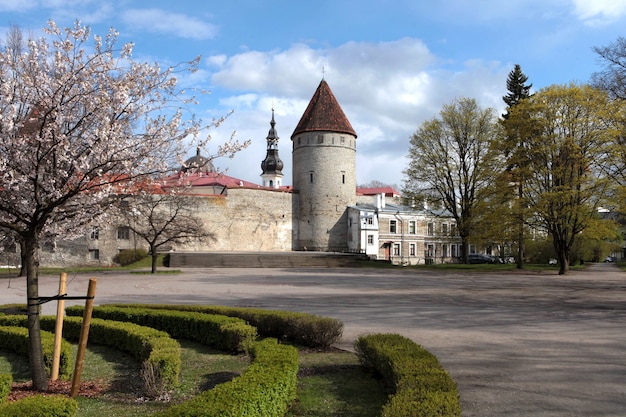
pixel 82 341
pixel 58 330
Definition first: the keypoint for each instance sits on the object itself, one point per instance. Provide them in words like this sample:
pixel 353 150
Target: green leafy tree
pixel 451 158
pixel 568 129
pixel 515 148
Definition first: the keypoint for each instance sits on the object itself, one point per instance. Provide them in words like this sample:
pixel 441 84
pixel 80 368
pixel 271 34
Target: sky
pixel 392 65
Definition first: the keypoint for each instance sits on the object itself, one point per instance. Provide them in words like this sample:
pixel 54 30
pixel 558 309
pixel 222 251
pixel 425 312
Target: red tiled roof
pixel 388 191
pixel 323 114
pixel 199 179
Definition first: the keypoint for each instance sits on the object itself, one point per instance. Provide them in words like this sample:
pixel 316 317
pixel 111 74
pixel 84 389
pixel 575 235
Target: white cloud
pixel 161 21
pixel 387 89
pixel 599 12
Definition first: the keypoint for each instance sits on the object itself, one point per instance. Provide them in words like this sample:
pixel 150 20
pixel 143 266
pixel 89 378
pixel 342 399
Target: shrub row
pixel 265 389
pixel 143 343
pixel 299 328
pixel 40 406
pixel 129 256
pixel 418 384
pixel 6 380
pixel 218 331
pixel 15 339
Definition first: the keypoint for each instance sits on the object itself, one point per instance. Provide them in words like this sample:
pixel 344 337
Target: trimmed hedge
pixel 265 389
pixel 418 385
pixel 6 381
pixel 218 331
pixel 155 347
pixel 299 328
pixel 40 406
pixel 15 339
pixel 129 256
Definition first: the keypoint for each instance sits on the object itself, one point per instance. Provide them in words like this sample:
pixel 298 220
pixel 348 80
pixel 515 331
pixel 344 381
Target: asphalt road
pixel 517 344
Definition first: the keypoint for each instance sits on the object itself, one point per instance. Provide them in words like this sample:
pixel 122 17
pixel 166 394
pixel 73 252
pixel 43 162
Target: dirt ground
pixel 516 343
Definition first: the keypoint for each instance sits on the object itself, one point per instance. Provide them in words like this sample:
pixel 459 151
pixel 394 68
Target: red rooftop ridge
pixel 323 114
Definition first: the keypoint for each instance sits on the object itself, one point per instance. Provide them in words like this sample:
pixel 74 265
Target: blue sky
pixel 391 64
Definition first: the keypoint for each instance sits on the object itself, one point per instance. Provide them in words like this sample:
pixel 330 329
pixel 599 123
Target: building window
pixel 412 250
pixel 444 251
pixel 430 251
pixel 343 178
pixel 453 229
pixel 311 177
pixel 342 140
pixel 393 226
pixel 412 227
pixel 444 229
pixel 453 251
pixel 431 229
pixel 370 239
pixel 320 139
pixel 370 220
pixel 123 232
pixel 396 249
pixel 95 233
pixel 94 254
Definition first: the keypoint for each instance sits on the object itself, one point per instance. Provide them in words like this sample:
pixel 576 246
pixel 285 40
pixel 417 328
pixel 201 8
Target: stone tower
pixel 272 166
pixel 324 174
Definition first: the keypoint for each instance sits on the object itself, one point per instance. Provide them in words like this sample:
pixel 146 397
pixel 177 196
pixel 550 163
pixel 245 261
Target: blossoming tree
pixel 78 118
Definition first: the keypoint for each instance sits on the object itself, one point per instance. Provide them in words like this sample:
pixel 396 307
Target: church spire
pixel 272 165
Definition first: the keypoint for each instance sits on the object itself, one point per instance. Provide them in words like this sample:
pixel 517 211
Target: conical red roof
pixel 323 114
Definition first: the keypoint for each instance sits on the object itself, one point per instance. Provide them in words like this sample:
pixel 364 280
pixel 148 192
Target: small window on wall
pixel 412 227
pixel 95 233
pixel 370 220
pixel 94 254
pixel 431 229
pixel 311 177
pixel 393 226
pixel 412 250
pixel 370 239
pixel 444 250
pixel 444 229
pixel 396 249
pixel 123 232
pixel 343 177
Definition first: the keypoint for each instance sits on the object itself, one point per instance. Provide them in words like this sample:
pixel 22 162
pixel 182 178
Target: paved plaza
pixel 517 343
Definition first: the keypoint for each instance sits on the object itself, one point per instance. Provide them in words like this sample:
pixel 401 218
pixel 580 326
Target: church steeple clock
pixel 272 165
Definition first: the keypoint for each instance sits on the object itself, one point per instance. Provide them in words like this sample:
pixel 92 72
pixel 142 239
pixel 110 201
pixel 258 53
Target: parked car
pixel 552 261
pixel 479 258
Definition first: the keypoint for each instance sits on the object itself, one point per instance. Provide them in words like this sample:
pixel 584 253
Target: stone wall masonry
pixel 246 219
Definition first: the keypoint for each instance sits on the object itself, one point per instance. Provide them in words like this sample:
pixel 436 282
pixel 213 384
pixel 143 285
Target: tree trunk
pixel 562 254
pixel 154 256
pixel 520 235
pixel 37 367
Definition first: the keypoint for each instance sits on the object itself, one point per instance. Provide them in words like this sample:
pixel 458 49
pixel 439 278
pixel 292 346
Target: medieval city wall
pixel 246 220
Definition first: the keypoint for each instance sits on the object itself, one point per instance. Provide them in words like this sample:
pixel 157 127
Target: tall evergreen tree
pixel 517 88
pixel 516 150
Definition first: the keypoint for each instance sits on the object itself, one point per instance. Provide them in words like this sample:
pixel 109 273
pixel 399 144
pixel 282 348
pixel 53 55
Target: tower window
pixel 311 177
pixel 343 178
pixel 342 140
pixel 320 139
